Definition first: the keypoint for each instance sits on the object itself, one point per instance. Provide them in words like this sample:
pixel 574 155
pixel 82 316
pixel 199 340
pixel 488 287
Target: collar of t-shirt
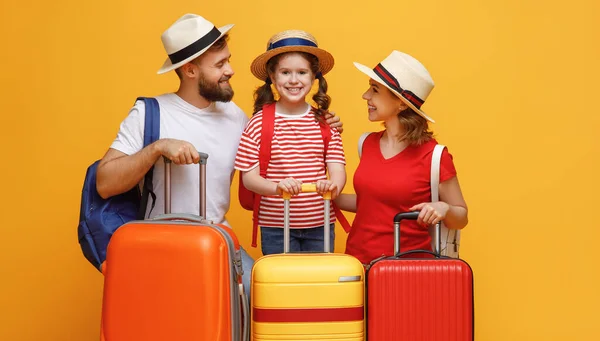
pixel 308 110
pixel 181 103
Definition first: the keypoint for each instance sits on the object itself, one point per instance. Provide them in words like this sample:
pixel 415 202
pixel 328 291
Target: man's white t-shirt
pixel 215 130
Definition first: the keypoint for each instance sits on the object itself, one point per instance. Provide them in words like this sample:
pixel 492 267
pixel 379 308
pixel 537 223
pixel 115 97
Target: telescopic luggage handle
pixel 286 217
pixel 413 216
pixel 202 189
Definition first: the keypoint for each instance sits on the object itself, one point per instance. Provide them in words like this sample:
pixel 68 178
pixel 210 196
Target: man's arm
pixel 119 172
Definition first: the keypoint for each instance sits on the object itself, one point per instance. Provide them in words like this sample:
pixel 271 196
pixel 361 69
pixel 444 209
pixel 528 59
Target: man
pixel 199 116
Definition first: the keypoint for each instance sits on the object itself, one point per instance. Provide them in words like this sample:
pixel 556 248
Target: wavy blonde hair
pixel 416 127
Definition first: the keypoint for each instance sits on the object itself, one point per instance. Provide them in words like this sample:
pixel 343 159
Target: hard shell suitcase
pixel 419 299
pixel 307 296
pixel 174 277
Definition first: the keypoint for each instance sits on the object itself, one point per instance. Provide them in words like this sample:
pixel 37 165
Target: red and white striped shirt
pixel 297 150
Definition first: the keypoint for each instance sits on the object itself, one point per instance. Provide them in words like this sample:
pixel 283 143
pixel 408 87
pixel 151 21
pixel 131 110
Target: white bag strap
pixel 449 239
pixel 361 140
pixel 436 160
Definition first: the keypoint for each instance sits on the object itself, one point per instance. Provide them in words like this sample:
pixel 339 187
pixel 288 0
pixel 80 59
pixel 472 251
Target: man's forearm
pixel 119 172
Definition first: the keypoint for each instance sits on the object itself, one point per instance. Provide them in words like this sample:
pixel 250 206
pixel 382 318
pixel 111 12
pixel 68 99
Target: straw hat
pixel 291 41
pixel 406 77
pixel 189 37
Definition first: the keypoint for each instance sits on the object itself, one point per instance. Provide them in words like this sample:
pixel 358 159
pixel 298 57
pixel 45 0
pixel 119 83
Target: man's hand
pixel 334 121
pixel 178 151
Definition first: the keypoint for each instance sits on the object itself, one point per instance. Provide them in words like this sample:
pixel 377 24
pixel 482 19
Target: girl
pixel 394 171
pixel 299 155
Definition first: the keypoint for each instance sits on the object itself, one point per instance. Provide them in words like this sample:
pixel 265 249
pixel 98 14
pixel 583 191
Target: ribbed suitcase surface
pixel 420 300
pixel 308 297
pixel 170 281
pixel 175 277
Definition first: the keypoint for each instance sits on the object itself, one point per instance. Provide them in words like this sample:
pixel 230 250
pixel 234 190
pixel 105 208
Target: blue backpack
pixel 100 218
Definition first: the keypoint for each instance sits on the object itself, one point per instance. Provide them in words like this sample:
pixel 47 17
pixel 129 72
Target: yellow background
pixel 514 101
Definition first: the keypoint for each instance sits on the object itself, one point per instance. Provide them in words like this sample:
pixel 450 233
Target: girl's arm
pixel 259 185
pixel 336 181
pixel 337 175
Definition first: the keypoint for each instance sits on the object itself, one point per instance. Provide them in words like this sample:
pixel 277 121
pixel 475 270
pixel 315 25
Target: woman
pixel 394 171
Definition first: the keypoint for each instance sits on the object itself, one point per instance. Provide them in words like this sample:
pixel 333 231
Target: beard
pixel 213 91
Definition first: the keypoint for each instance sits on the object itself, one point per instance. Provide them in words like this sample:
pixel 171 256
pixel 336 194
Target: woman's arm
pixel 450 193
pixel 346 202
pixel 451 209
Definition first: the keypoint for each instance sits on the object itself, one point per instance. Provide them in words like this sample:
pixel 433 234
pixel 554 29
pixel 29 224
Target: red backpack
pixel 250 200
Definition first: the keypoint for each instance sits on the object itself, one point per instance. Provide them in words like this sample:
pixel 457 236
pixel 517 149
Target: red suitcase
pixel 419 299
pixel 174 277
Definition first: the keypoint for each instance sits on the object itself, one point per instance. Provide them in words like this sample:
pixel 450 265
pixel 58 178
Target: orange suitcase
pixel 307 296
pixel 175 277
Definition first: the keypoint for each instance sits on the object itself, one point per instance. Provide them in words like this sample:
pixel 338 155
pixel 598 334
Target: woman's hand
pixel 431 212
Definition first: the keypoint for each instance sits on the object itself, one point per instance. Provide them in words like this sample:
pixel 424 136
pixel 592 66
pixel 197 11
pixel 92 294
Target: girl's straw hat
pixel 291 41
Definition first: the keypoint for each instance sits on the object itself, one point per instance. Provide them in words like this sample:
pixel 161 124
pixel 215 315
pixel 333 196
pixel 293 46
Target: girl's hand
pixel 324 186
pixel 289 185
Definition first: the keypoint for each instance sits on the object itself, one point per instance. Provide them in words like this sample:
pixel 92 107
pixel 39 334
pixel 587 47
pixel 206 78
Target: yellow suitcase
pixel 312 296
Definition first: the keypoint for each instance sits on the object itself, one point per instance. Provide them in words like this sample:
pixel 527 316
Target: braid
pixel 263 95
pixel 321 98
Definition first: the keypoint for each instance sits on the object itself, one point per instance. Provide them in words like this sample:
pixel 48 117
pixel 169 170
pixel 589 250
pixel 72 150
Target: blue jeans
pixel 301 240
pixel 247 263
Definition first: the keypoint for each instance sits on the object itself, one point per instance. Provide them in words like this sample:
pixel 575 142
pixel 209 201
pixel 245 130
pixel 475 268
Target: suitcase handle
pixel 182 216
pixel 202 189
pixel 400 254
pixel 413 216
pixel 307 188
pixel 286 217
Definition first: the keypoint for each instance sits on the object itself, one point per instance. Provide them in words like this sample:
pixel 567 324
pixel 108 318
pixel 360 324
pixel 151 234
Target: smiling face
pixel 382 103
pixel 214 75
pixel 293 77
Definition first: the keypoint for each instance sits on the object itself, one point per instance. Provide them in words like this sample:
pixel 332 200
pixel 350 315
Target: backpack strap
pixel 267 128
pixel 326 134
pixel 151 134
